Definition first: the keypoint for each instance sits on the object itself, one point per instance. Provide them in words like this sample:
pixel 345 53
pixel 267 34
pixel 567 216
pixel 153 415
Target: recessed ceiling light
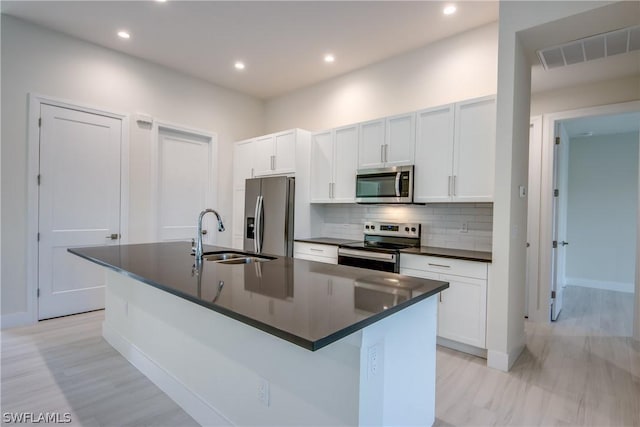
pixel 449 10
pixel 329 58
pixel 124 35
pixel 239 65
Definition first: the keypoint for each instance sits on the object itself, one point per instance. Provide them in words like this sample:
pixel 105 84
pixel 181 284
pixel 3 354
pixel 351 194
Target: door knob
pixel 563 243
pixel 113 236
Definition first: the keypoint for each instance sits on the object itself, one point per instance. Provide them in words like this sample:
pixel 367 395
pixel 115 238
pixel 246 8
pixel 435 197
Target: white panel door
pixel 184 184
pixel 474 150
pixel 371 144
pixel 434 155
pixel 401 140
pixel 79 205
pixel 345 164
pixel 321 167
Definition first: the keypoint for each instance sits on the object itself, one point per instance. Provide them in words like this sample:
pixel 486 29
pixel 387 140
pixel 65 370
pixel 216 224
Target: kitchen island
pixel 281 342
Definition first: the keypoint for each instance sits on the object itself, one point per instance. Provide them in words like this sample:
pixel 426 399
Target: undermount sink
pixel 234 257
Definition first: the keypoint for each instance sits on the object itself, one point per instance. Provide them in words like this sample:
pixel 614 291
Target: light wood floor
pixel 581 370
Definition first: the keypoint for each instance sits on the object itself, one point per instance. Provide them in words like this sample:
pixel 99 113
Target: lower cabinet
pixel 462 308
pixel 316 252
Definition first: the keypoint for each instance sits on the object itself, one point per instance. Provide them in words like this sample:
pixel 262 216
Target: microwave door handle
pixel 398 184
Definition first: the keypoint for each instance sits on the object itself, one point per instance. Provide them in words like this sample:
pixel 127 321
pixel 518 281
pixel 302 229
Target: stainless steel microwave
pixel 385 185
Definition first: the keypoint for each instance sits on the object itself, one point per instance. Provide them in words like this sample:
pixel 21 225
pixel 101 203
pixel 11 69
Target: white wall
pixel 48 63
pixel 433 75
pixel 602 211
pixel 505 318
pixel 588 95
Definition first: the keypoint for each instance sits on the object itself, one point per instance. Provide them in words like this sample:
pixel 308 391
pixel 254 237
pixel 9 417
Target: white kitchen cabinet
pixel 387 142
pixel 474 153
pixel 455 152
pixel 243 162
pixel 275 154
pixel 462 308
pixel 316 252
pixel 334 156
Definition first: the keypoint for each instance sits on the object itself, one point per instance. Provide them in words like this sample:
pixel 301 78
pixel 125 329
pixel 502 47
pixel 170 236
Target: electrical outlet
pixel 263 391
pixel 374 360
pixel 465 227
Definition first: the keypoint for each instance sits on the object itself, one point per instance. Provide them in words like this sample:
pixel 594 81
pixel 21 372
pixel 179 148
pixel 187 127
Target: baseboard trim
pixel 465 348
pixel 503 361
pixel 190 402
pixel 14 320
pixel 599 284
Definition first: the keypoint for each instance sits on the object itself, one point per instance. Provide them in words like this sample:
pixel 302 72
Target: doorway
pixel 79 163
pixel 596 222
pixel 540 302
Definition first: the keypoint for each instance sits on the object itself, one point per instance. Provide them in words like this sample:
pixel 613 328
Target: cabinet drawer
pixel 326 260
pixel 441 265
pixel 316 249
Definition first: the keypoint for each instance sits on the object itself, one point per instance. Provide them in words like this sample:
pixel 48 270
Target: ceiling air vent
pixel 590 48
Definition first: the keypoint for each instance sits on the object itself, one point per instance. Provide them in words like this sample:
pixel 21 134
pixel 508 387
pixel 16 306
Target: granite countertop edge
pixel 462 254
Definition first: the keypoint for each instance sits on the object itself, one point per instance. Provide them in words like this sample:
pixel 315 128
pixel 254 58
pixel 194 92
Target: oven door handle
pixel 398 184
pixel 377 256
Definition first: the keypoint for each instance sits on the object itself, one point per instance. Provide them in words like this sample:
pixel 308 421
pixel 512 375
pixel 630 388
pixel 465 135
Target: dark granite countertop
pixel 449 253
pixel 326 241
pixel 333 300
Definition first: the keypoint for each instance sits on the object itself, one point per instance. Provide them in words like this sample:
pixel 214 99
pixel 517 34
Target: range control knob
pixel 366 226
pixel 373 227
pixel 413 229
pixel 406 229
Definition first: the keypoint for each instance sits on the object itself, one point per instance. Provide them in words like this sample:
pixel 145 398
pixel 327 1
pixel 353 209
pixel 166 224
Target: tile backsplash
pixel 452 225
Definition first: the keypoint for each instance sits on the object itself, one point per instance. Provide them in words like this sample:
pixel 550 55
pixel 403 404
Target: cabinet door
pixel 243 165
pixel 371 144
pixel 345 164
pixel 263 155
pixel 321 166
pixel 474 150
pixel 400 140
pixel 285 152
pixel 462 310
pixel 434 155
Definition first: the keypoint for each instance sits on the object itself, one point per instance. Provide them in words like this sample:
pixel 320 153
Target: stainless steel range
pixel 380 249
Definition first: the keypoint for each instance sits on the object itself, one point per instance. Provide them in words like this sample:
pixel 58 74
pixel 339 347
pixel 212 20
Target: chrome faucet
pixel 199 236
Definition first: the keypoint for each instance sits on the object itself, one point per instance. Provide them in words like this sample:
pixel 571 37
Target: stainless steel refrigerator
pixel 268 211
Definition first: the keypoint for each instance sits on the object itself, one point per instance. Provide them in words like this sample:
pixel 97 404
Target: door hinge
pixel 556 192
pixel 38 179
pixel 553 294
pixel 38 236
pixel 557 140
pixel 555 244
pixel 39 122
pixel 38 292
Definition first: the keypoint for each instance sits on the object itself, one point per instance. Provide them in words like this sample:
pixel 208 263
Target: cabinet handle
pixel 386 153
pixel 440 294
pixel 454 185
pixel 440 265
pixel 330 190
pixel 449 183
pixel 273 163
pixel 316 250
pixel 251 172
pixel 333 190
pixel 382 153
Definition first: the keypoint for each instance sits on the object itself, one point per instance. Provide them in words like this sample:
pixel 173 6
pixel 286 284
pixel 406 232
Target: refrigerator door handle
pixel 260 224
pixel 256 225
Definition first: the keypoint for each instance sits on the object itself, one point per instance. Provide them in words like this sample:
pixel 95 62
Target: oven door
pixel 369 259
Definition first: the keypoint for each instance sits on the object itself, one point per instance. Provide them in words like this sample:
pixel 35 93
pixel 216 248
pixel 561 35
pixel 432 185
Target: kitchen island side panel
pixel 217 363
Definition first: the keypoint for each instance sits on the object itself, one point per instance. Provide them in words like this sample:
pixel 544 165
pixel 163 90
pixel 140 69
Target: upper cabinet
pixel 334 155
pixel 275 153
pixel 455 151
pixel 387 142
